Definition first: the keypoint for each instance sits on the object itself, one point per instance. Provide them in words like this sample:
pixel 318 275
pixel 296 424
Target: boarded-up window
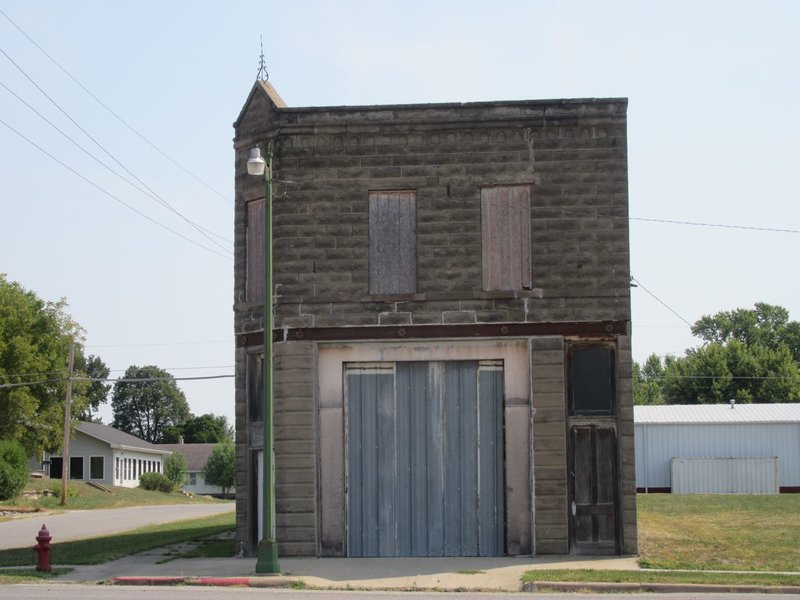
pixel 255 252
pixel 255 387
pixel 506 237
pixel 392 243
pixel 592 389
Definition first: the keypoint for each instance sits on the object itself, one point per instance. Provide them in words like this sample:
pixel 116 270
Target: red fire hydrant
pixel 42 548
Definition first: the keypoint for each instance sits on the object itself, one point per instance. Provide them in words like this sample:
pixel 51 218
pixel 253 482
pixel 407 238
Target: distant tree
pixel 97 393
pixel 205 429
pixel 221 467
pixel 766 325
pixel 35 336
pixel 175 469
pixel 648 381
pixel 750 355
pixel 718 372
pixel 149 405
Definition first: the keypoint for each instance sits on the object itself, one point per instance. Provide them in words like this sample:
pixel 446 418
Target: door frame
pixel 517 416
pixel 593 419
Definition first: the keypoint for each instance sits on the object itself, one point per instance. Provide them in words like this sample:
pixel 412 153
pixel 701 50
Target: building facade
pixel 737 448
pixel 452 366
pixel 106 455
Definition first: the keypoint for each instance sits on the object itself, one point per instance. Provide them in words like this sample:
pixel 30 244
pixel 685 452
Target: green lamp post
pixel 268 546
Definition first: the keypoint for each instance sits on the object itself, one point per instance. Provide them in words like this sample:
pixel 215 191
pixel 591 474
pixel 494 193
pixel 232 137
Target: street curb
pixel 677 588
pixel 257 582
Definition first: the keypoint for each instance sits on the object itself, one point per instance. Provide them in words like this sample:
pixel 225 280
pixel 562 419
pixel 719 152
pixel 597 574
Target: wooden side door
pixel 593 489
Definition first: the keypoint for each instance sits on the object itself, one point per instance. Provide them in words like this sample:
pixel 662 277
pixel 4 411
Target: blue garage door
pixel 425 459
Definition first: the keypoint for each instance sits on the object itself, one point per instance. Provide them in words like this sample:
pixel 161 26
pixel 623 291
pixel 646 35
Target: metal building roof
pixel 717 413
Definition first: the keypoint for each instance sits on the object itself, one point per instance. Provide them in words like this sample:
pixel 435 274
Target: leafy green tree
pixel 648 381
pixel 149 404
pixel 765 325
pixel 13 469
pixel 750 355
pixel 221 467
pixel 35 336
pixel 97 392
pixel 175 469
pixel 205 429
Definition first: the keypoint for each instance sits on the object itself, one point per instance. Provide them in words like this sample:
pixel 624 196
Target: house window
pixel 255 386
pixel 592 381
pixel 96 467
pixel 506 237
pixel 76 467
pixel 254 283
pixel 116 468
pixel 192 478
pixel 392 243
pixel 56 466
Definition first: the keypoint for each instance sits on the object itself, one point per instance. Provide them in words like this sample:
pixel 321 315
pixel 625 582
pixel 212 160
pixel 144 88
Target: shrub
pixel 13 469
pixel 221 467
pixel 156 482
pixel 176 470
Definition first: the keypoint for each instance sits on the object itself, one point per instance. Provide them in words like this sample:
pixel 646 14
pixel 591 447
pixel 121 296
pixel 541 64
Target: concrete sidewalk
pixel 498 574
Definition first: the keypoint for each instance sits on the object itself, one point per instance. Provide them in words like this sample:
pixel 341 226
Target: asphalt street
pixel 76 524
pixel 82 592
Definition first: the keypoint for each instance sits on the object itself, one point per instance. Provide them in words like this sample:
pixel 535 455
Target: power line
pixel 659 300
pixel 114 114
pixel 110 195
pixel 229 341
pixel 121 379
pixel 108 153
pixel 719 225
pixel 148 193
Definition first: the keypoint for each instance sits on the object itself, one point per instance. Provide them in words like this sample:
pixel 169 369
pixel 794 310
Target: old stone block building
pixel 452 363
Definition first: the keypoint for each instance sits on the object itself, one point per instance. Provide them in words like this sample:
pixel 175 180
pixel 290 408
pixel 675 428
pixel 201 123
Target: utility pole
pixel 67 416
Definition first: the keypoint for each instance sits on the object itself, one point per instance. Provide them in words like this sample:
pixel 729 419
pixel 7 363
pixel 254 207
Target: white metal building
pixel 753 435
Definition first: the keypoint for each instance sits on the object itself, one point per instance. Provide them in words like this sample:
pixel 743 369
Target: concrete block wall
pixel 573 153
pixel 327 160
pixel 551 525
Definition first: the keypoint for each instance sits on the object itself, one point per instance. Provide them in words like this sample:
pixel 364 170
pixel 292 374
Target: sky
pixel 713 125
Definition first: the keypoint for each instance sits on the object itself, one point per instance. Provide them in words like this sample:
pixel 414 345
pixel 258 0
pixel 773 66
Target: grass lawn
pixel 29 575
pixel 585 575
pixel 103 549
pixel 84 497
pixel 721 532
pixel 725 532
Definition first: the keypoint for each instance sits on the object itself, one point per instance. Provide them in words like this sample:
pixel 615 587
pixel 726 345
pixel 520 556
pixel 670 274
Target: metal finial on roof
pixel 263 75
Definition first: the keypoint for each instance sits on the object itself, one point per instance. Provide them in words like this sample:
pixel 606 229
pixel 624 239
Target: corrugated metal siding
pixel 725 475
pixel 425 459
pixel 657 444
pixel 718 413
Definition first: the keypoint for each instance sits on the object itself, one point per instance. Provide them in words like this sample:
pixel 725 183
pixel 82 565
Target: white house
pixel 106 455
pixel 718 448
pixel 196 456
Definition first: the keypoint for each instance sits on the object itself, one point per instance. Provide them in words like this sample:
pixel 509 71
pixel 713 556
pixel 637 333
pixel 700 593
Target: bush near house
pixel 176 470
pixel 156 482
pixel 13 469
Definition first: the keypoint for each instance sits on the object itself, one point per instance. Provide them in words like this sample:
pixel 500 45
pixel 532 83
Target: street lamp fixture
pixel 267 547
